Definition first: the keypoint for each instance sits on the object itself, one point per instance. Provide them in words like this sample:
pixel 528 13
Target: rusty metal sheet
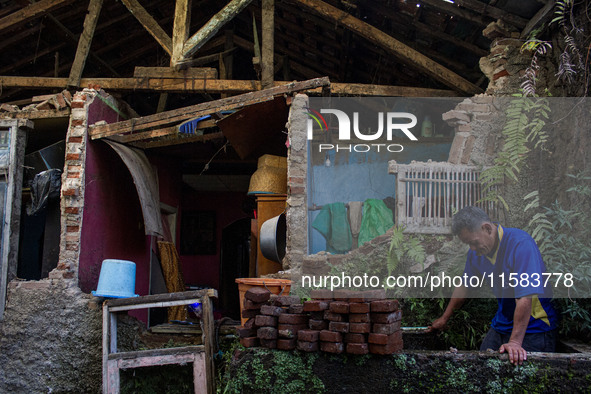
pixel 258 129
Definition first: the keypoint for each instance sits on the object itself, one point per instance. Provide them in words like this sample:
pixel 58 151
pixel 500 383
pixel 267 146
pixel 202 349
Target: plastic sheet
pixel 45 187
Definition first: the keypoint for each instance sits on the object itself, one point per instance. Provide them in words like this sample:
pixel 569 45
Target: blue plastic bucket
pixel 116 280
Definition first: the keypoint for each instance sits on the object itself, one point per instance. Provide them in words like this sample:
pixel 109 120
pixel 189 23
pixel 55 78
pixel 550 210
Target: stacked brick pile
pixel 355 325
pixel 273 321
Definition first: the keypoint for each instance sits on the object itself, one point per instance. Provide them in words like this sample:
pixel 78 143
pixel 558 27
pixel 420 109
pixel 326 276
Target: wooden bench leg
pixel 199 374
pixel 112 377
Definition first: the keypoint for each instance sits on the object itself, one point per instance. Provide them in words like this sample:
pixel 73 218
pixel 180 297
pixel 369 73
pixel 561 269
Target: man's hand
pixel 517 354
pixel 438 324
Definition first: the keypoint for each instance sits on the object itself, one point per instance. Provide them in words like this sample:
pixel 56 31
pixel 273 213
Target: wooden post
pixel 208 329
pixel 94 9
pixel 267 53
pixel 180 32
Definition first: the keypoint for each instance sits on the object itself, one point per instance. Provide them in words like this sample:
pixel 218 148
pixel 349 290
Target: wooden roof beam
pixel 452 9
pixel 149 24
pixel 180 30
pixel 212 26
pixel 492 12
pixel 33 11
pixel 403 51
pixel 90 21
pixel 178 115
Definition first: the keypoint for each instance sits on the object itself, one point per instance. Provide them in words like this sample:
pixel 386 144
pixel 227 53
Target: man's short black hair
pixel 469 218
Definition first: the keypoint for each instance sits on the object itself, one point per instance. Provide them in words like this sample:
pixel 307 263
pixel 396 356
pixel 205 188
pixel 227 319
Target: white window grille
pixel 427 193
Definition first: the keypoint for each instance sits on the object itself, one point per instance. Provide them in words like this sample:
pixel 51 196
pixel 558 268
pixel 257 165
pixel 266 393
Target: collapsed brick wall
pixel 72 193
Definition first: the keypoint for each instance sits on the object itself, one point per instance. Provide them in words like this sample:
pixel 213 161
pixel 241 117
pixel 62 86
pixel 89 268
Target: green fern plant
pixel 524 127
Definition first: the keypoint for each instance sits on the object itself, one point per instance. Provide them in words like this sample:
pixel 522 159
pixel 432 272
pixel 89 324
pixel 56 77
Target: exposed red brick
pixel 328 315
pixel 250 305
pixel 308 335
pixel 503 73
pixel 293 180
pixel 76 122
pixel 257 294
pixel 249 342
pixel 318 324
pixel 265 321
pixel 293 318
pixel 297 308
pixel 271 310
pixel 249 313
pixel 70 192
pixel 359 318
pixel 286 344
pixel 72 210
pixel 269 343
pixel 75 140
pixel 290 330
pixel 73 175
pixel 267 333
pixel 315 306
pixel 332 347
pixel 77 104
pixel 355 338
pixel 297 190
pixel 343 294
pixel 316 315
pixel 63 266
pixel 72 229
pixel 338 326
pixel 357 348
pixel 383 339
pixel 360 328
pixel 321 294
pixel 307 346
pixel 386 318
pixel 68 275
pixel 368 295
pixel 359 307
pixel 330 336
pixel 73 156
pixel 72 246
pixel 244 332
pixel 339 307
pixel 386 328
pixel 385 306
pixel 286 300
pixel 250 323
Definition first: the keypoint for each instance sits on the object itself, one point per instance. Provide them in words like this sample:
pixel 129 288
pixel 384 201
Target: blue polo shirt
pixel 517 256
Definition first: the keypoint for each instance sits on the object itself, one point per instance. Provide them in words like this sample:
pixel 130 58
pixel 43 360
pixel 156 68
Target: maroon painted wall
pixel 204 270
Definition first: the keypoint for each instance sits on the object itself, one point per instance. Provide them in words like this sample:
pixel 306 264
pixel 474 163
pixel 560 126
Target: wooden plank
pixel 171 351
pixel 183 295
pixel 358 89
pixel 157 304
pixel 113 378
pixel 143 361
pixel 179 139
pixel 149 24
pixel 169 72
pixel 208 338
pixel 112 332
pixel 206 108
pixel 404 52
pixel 209 30
pixel 164 132
pixel 180 31
pixel 267 48
pixel 94 9
pixel 105 347
pixel 492 12
pixel 541 16
pixel 33 11
pixel 199 373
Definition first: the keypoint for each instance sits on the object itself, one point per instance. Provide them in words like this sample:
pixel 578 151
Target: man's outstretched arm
pixel 521 316
pixel 457 300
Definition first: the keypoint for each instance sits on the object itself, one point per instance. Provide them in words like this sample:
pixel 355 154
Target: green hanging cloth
pixel 377 219
pixel 332 223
